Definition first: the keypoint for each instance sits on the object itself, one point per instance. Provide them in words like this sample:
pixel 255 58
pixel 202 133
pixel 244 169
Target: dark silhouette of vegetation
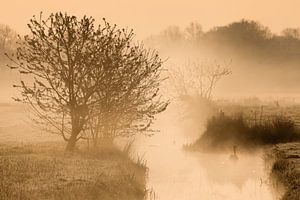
pixel 88 81
pixel 223 132
pixel 246 38
pixel 284 169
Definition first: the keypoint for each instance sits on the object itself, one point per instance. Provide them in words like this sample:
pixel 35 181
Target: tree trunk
pixel 75 132
pixel 71 143
pixel 75 120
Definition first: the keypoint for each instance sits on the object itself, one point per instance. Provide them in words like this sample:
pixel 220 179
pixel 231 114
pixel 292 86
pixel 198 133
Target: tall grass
pixel 223 132
pixel 284 173
pixel 139 160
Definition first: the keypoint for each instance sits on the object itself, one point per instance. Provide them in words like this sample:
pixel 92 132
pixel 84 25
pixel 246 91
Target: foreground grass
pixel 45 171
pixel 286 170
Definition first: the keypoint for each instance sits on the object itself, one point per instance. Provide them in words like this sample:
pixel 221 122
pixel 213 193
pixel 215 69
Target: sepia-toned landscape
pixel 150 100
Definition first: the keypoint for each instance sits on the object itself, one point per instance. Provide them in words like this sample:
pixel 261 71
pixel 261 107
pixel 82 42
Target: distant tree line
pixel 245 38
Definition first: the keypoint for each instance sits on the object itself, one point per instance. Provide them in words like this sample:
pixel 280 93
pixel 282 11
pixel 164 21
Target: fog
pixel 228 68
pixel 266 66
pixel 178 174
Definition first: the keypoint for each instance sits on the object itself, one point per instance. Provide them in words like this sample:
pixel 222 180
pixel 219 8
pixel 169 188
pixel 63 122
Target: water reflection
pixel 177 174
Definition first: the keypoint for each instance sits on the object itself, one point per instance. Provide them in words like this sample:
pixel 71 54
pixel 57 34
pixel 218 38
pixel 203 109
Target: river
pixel 178 174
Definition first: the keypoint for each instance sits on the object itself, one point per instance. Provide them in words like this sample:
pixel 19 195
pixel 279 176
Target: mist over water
pixel 178 174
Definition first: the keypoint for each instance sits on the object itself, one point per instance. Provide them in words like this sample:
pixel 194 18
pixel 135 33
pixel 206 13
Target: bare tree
pixel 128 107
pixel 8 39
pixel 80 72
pixel 291 32
pixel 194 32
pixel 197 79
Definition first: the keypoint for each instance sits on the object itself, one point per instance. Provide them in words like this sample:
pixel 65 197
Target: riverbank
pixel 223 132
pixel 45 171
pixel 286 169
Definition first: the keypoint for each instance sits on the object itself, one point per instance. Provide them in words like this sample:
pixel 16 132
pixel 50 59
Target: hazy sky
pixel 151 16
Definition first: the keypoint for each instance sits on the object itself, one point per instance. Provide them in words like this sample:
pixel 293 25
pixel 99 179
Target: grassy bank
pixel 286 169
pixel 223 132
pixel 45 171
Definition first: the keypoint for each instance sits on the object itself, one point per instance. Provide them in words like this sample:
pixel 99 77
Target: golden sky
pixel 151 16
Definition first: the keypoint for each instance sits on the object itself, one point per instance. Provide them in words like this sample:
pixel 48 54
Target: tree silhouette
pixel 80 73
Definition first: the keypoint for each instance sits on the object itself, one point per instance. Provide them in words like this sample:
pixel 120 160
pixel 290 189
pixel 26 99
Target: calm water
pixel 176 174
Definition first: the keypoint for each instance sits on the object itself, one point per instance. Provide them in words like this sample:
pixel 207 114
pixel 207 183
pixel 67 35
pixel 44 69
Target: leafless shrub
pixel 87 81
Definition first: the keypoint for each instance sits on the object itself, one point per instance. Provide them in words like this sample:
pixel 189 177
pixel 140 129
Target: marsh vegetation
pixel 223 132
